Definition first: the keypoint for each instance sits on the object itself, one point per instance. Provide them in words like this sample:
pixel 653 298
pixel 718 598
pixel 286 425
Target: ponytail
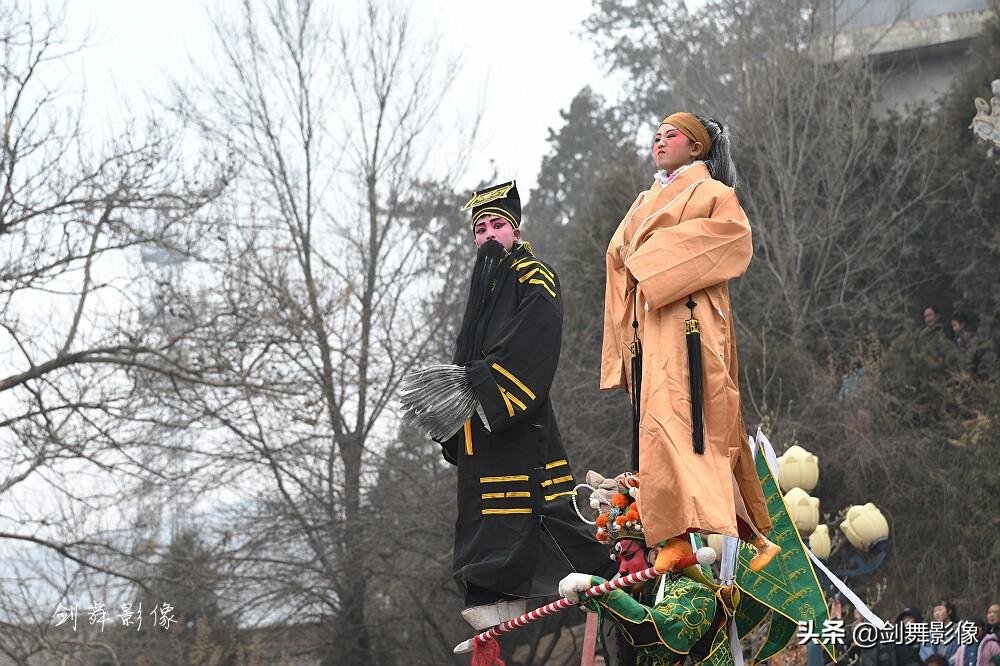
pixel 720 157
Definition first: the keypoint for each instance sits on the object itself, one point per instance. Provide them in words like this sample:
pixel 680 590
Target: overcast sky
pixel 524 60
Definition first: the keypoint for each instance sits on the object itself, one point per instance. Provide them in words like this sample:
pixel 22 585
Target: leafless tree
pixel 77 334
pixel 311 300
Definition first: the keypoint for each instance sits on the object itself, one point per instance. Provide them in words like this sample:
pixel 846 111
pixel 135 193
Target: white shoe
pixel 490 615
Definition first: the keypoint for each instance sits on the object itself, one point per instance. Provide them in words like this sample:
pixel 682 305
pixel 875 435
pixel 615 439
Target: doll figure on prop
pixel 685 612
pixel 682 613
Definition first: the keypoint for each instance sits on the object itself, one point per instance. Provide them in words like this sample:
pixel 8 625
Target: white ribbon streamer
pixel 772 459
pixel 848 593
pixel 734 643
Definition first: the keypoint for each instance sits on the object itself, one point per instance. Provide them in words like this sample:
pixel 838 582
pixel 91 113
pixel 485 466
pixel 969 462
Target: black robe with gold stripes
pixel 517 533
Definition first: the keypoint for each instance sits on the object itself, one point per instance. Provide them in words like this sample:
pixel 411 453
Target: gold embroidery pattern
pixel 488 196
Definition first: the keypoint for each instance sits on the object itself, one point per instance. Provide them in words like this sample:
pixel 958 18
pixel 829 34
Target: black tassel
pixel 636 394
pixel 692 331
pixel 636 381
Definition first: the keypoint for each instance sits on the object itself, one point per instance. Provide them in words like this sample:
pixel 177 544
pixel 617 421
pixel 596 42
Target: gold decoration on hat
pixel 481 198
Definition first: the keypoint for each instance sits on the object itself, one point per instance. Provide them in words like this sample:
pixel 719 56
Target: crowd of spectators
pixel 961 329
pixel 947 640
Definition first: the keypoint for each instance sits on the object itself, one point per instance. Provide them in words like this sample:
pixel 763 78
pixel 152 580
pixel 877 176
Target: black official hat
pixel 500 200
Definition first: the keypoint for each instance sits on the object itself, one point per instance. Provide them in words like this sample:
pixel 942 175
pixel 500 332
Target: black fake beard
pixel 479 306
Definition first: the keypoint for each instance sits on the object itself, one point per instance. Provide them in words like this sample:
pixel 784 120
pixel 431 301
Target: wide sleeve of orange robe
pixel 675 261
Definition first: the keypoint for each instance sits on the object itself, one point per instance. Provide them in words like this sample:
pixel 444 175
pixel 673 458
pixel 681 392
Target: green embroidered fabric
pixel 786 591
pixel 665 633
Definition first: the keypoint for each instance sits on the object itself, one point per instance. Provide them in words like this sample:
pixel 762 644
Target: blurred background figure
pixel 934 322
pixel 980 653
pixel 944 612
pixel 993 619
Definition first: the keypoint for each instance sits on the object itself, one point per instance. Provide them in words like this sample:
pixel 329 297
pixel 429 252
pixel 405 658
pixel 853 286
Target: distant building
pixel 920 44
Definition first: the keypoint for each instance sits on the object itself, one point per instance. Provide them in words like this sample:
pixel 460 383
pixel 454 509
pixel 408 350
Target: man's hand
pixel 572 585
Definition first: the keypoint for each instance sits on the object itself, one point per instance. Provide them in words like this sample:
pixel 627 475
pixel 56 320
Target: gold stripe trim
pixel 467 429
pixel 501 479
pixel 531 261
pixel 495 212
pixel 561 479
pixel 506 373
pixel 513 398
pixel 557 463
pixel 549 498
pixel 547 288
pixel 506 400
pixel 537 270
pixel 495 512
pixel 510 495
pixel 493 495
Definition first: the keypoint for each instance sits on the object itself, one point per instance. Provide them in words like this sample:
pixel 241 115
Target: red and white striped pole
pixel 595 591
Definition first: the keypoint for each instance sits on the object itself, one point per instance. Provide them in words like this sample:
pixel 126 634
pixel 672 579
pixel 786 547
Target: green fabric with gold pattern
pixel 786 589
pixel 749 615
pixel 664 633
pixel 719 654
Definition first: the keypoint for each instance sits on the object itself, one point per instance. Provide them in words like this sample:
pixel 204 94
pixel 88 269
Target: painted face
pixel 492 227
pixel 671 149
pixel 631 556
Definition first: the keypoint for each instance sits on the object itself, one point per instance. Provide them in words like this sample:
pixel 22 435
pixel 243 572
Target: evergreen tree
pixel 593 140
pixel 586 182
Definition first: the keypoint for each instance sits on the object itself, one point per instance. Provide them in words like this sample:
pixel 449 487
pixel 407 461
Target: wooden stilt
pixel 589 640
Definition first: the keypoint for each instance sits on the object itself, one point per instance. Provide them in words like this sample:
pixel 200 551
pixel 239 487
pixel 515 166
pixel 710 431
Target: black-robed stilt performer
pixel 516 533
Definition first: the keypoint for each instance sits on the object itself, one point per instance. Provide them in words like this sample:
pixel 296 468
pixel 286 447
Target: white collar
pixel 666 178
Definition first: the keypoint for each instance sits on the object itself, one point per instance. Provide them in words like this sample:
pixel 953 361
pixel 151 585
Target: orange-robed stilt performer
pixel 668 267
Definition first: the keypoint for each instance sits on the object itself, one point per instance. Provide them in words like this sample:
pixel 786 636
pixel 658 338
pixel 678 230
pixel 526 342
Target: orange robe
pixel 688 238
